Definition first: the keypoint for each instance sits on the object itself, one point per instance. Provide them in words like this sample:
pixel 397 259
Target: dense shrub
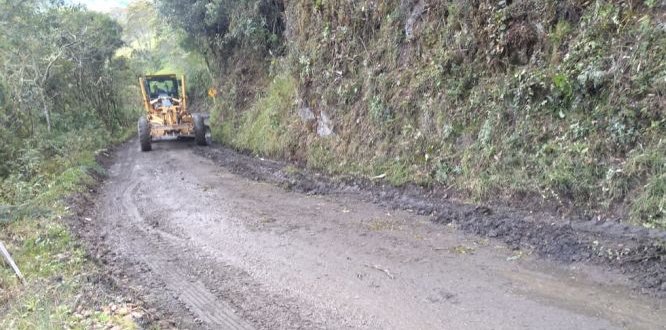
pixel 62 96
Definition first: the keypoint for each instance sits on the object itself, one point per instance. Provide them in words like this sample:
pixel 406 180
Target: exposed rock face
pixel 416 11
pixel 324 125
pixel 306 114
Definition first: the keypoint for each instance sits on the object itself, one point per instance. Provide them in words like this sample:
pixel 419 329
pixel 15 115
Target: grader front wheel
pixel 144 134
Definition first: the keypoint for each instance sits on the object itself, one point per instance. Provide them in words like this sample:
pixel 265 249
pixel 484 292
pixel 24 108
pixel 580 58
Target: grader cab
pixel 167 115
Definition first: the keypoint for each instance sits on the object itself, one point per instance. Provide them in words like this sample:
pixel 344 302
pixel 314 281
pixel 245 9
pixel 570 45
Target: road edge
pixel 639 253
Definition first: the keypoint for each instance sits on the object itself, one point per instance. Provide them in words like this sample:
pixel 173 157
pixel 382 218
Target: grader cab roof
pixel 166 84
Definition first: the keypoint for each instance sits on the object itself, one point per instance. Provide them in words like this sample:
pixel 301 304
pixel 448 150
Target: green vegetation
pixel 154 47
pixel 263 126
pixel 501 100
pixel 64 97
pixel 68 90
pixel 518 100
pixel 61 290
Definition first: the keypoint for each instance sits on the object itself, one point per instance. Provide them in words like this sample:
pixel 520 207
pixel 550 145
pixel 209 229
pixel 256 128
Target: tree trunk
pixel 47 114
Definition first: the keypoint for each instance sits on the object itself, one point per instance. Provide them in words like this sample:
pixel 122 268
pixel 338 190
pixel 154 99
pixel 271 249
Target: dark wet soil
pixel 111 280
pixel 638 252
pixel 211 238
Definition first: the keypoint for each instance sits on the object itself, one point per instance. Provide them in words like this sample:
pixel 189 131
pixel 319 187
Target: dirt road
pixel 220 251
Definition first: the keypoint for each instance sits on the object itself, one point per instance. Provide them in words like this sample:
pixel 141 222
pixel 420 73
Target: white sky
pixel 103 5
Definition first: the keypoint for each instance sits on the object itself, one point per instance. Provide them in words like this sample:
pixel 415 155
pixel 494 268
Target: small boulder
pixel 306 114
pixel 324 125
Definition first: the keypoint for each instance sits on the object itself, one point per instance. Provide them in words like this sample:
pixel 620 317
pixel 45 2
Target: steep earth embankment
pixel 536 104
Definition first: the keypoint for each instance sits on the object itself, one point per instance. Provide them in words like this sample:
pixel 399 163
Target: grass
pixel 579 121
pixel 651 203
pixel 322 158
pixel 263 128
pixel 60 291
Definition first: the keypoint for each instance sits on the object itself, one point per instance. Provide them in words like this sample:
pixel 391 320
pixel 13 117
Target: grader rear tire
pixel 144 134
pixel 199 130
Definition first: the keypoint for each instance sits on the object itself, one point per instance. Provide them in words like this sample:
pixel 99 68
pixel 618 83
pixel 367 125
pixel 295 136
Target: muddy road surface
pixel 211 249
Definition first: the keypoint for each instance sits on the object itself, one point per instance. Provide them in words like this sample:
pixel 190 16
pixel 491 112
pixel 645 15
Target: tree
pixel 47 49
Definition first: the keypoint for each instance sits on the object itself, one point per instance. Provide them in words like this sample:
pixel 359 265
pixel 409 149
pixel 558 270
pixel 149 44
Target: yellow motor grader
pixel 165 102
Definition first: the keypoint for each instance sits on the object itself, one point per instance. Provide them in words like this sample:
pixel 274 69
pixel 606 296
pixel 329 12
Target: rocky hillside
pixel 553 104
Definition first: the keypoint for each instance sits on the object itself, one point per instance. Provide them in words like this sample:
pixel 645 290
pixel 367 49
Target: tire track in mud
pixel 192 293
pixel 142 219
pixel 215 250
pixel 635 251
